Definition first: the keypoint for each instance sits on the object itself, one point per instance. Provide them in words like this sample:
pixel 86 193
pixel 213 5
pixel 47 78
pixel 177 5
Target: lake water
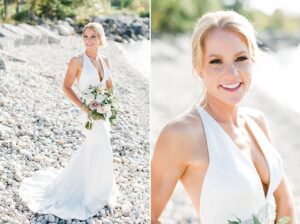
pixel 138 54
pixel 277 73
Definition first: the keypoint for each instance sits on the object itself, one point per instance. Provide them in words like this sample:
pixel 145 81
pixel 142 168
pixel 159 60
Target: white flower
pixel 89 98
pixel 107 108
pixel 100 98
pixel 108 114
pixel 101 109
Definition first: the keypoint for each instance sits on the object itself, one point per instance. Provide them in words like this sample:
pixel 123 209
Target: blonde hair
pixel 224 20
pixel 98 28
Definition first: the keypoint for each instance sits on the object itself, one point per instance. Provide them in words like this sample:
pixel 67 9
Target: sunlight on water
pixel 138 54
pixel 277 73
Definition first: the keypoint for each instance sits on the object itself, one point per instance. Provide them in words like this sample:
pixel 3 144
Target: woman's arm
pixel 167 166
pixel 109 80
pixel 285 201
pixel 73 68
pixel 283 194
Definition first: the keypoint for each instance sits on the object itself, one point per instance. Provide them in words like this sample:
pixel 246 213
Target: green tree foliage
pixel 29 10
pixel 173 16
pixel 177 16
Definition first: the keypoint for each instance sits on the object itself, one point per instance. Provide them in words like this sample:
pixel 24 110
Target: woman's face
pixel 91 39
pixel 227 67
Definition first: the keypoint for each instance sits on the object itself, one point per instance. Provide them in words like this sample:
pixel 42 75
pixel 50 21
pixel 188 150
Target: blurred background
pixel 174 88
pixel 125 21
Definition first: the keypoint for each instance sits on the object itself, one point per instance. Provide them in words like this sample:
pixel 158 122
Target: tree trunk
pixel 5 9
pixel 17 7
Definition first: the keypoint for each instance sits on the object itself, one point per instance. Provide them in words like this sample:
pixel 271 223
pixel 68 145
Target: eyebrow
pixel 217 55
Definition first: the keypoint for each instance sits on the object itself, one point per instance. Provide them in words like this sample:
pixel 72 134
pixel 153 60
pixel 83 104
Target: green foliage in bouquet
pixel 283 220
pixel 102 105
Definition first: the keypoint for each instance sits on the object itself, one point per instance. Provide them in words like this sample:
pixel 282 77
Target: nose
pixel 231 69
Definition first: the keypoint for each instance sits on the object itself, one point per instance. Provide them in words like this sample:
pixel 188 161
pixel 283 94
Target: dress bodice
pixel 232 186
pixel 89 74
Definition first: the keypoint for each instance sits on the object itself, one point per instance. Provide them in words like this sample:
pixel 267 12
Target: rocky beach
pixel 39 125
pixel 174 89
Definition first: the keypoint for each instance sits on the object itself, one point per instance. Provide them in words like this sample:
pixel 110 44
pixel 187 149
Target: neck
pixel 222 112
pixel 91 53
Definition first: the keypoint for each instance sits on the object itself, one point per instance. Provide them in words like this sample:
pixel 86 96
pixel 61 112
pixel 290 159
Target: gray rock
pixel 2 64
pixel 7 34
pixel 27 37
pixel 64 29
pixel 40 37
pixel 18 176
pixel 53 38
pixel 106 221
pixel 51 218
pixel 125 209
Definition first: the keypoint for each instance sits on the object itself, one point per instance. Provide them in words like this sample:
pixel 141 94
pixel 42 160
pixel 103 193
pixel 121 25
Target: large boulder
pixel 53 38
pixel 27 37
pixel 64 28
pixel 7 35
pixel 127 27
pixel 41 38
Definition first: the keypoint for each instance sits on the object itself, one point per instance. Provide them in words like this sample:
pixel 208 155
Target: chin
pixel 233 101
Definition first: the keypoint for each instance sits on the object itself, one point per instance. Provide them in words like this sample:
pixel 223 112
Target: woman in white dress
pixel 87 183
pixel 222 153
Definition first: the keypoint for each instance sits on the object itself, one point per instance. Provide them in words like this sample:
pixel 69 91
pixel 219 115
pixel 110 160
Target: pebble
pixel 42 130
pixel 125 209
pixel 106 221
pixel 18 176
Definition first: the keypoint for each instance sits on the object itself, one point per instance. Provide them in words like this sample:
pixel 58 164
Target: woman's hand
pixel 85 109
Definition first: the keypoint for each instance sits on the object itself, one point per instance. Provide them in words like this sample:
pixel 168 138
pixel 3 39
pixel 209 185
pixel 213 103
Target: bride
pixel 222 153
pixel 87 183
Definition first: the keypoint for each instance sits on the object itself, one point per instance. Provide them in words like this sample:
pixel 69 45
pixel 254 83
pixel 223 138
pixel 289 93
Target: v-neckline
pixel 96 70
pixel 266 195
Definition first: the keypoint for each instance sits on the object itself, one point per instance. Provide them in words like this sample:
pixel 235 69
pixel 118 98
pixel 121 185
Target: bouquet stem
pixel 88 125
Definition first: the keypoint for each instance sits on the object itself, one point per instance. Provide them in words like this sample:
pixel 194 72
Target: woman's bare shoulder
pixel 183 132
pixel 259 118
pixel 76 60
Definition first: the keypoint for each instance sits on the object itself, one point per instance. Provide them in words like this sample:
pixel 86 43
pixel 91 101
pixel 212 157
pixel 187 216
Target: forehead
pixel 223 42
pixel 89 31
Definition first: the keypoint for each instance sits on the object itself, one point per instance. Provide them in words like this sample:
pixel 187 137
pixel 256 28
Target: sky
pixel 269 6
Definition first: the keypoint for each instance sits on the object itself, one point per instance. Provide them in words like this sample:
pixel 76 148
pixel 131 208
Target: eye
pixel 215 61
pixel 93 36
pixel 85 36
pixel 241 58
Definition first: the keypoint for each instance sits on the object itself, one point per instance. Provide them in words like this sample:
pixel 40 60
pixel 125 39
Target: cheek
pixel 210 78
pixel 246 70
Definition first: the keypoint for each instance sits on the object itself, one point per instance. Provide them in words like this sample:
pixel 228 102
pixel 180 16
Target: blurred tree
pixel 179 16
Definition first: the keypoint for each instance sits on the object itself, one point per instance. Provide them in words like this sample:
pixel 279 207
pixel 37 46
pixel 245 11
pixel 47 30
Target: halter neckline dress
pixel 87 183
pixel 232 186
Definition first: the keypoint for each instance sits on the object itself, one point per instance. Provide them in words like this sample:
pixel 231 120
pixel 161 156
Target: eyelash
pixel 218 61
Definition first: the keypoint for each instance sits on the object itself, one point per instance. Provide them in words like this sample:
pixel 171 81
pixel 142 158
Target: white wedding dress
pixel 87 183
pixel 232 187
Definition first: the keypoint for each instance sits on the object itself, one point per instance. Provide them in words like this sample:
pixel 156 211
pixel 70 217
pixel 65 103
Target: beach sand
pixel 174 90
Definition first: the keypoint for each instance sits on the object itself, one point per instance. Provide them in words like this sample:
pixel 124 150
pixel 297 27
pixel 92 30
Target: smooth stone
pixel 18 176
pixel 125 209
pixel 106 221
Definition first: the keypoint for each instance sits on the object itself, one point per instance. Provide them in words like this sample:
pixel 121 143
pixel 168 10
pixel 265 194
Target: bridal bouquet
pixel 102 104
pixel 284 220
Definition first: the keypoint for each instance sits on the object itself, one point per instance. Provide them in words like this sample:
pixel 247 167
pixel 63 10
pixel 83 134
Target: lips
pixel 231 87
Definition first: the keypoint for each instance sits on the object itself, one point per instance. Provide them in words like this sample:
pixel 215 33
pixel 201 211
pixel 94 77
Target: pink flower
pixel 94 105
